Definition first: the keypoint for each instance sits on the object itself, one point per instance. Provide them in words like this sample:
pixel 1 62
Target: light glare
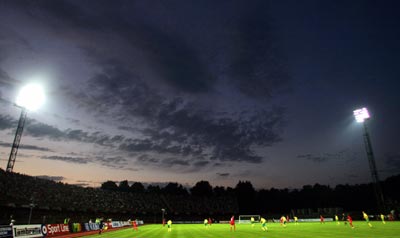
pixel 361 114
pixel 31 97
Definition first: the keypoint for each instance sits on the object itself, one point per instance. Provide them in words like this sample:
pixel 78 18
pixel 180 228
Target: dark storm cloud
pixel 26 147
pixel 76 160
pixel 173 126
pixel 113 162
pixel 181 57
pixel 174 59
pixel 172 47
pixel 200 164
pixel 33 147
pixel 229 140
pixel 146 159
pixel 6 122
pixel 223 174
pixel 170 162
pixel 38 129
pixel 52 178
pixel 5 144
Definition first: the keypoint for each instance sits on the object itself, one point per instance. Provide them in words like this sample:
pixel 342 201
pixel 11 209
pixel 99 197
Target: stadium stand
pixel 52 202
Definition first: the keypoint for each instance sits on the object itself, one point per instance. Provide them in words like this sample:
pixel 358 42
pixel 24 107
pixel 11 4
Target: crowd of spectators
pixel 20 191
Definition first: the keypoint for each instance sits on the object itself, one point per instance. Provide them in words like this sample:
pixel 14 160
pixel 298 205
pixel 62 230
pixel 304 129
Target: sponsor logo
pixel 54 229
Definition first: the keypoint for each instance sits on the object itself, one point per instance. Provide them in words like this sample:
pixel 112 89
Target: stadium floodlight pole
pixel 31 97
pixel 362 116
pixel 17 139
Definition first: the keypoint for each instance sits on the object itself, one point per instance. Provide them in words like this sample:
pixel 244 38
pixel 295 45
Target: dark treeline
pixel 251 201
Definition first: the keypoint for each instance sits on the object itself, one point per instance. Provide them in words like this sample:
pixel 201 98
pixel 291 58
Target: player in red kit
pixel 134 224
pixel 321 219
pixel 232 222
pixel 350 220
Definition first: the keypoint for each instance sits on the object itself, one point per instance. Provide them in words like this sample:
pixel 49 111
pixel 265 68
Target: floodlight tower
pixel 362 115
pixel 31 97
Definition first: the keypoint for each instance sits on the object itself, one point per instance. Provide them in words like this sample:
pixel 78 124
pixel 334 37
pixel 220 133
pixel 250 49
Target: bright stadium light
pixel 31 97
pixel 361 114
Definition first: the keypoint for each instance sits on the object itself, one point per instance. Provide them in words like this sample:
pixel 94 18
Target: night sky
pixel 180 91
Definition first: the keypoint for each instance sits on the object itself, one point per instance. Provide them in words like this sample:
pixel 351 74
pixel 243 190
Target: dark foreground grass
pixel 302 230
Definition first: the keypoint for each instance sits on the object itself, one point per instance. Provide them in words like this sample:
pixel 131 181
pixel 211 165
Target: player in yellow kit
pixel 383 218
pixel 283 221
pixel 337 219
pixel 252 221
pixel 263 224
pixel 169 225
pixel 365 216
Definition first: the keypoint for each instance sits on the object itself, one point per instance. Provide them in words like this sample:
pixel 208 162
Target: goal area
pixel 246 219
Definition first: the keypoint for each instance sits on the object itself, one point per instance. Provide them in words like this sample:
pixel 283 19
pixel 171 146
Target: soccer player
pixel 296 220
pixel 383 219
pixel 209 221
pixel 344 219
pixel 101 225
pixel 321 219
pixel 206 223
pixel 365 216
pixel 263 224
pixel 283 221
pixel 337 219
pixel 232 223
pixel 252 221
pixel 169 225
pixel 134 224
pixel 350 220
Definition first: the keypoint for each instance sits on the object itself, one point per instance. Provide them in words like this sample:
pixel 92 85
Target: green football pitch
pixel 302 230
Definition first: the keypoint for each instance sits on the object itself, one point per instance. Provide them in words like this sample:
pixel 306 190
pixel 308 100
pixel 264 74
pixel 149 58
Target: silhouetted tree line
pixel 265 201
pixel 55 200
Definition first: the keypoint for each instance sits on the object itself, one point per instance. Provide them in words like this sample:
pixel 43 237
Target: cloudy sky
pixel 183 91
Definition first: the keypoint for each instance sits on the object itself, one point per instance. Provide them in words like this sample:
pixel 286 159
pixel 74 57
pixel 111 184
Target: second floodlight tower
pixel 362 115
pixel 31 97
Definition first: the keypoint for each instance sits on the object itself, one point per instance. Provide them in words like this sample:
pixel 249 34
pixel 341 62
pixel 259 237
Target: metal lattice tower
pixel 17 139
pixel 374 173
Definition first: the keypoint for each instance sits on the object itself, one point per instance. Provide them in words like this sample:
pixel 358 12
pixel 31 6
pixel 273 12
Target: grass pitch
pixel 302 230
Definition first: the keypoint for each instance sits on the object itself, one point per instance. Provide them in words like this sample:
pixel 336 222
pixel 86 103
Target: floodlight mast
pixel 362 116
pixel 30 98
pixel 17 139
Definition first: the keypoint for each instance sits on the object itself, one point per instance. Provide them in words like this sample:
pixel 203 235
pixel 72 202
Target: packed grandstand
pixel 52 202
